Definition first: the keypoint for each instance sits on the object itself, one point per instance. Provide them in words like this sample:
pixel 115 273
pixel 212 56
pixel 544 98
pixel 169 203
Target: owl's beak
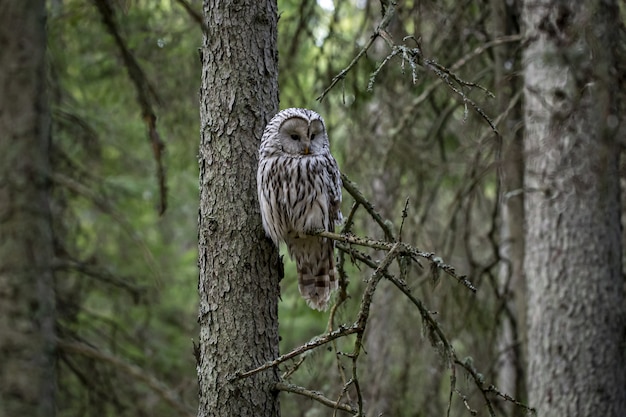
pixel 306 150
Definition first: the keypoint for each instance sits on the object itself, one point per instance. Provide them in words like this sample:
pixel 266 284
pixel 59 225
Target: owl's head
pixel 296 132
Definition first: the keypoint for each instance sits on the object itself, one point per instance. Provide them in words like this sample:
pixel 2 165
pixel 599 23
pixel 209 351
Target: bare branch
pixel 105 206
pixel 152 382
pixel 195 15
pixel 102 274
pixel 380 31
pixel 479 381
pixel 146 95
pixel 359 198
pixel 315 395
pixel 315 342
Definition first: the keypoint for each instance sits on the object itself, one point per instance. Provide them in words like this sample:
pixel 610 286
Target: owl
pixel 299 188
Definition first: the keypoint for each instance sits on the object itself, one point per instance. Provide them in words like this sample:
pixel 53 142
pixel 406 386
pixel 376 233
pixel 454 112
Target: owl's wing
pixel 334 191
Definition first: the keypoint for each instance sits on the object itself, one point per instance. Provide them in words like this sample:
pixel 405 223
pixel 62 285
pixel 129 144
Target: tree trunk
pixel 239 266
pixel 512 289
pixel 27 303
pixel 382 390
pixel 576 314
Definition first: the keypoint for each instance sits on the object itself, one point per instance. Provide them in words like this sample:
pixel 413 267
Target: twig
pixel 363 315
pixel 380 31
pixel 317 341
pixel 294 368
pixel 506 397
pixel 359 198
pixel 404 249
pixel 479 380
pixel 315 395
pixel 405 213
pixel 355 240
pixel 347 226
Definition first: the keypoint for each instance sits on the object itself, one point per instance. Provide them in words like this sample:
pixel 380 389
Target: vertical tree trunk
pixel 512 321
pixel 576 300
pixel 27 304
pixel 381 386
pixel 239 267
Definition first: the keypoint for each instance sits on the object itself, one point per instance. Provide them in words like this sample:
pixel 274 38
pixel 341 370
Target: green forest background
pixel 127 282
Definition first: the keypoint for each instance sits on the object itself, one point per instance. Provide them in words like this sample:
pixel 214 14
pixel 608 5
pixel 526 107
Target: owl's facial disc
pixel 299 137
pixel 314 140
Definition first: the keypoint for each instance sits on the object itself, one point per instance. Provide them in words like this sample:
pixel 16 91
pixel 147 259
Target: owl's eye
pixel 312 136
pixel 295 137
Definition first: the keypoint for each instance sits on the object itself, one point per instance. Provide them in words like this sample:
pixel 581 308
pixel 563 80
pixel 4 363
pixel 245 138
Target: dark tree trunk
pixel 239 266
pixel 27 303
pixel 576 305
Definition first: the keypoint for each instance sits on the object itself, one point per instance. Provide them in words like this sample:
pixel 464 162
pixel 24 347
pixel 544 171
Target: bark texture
pixel 573 250
pixel 239 266
pixel 27 307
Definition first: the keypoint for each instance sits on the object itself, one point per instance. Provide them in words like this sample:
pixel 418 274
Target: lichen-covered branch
pixel 379 32
pixel 403 248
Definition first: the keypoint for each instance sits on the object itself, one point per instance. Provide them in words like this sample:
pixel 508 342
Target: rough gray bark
pixel 576 303
pixel 27 303
pixel 239 267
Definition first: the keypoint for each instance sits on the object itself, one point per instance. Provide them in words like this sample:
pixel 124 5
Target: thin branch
pixel 479 381
pixel 315 395
pixel 506 397
pixel 139 374
pixel 380 31
pixel 482 48
pixel 355 240
pixel 363 315
pixel 294 368
pixel 431 326
pixel 347 226
pixel 106 207
pixel 146 95
pixel 342 331
pixel 443 74
pixel 312 344
pixel 101 274
pixel 359 198
pixel 404 249
pixel 405 213
pixel 195 15
pixel 414 56
pixel 368 293
pixel 408 117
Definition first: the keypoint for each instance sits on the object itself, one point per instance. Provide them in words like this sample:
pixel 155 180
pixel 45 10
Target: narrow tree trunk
pixel 576 302
pixel 27 303
pixel 239 267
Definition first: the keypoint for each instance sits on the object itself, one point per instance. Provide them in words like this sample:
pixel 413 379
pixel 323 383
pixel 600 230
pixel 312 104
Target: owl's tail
pixel 317 278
